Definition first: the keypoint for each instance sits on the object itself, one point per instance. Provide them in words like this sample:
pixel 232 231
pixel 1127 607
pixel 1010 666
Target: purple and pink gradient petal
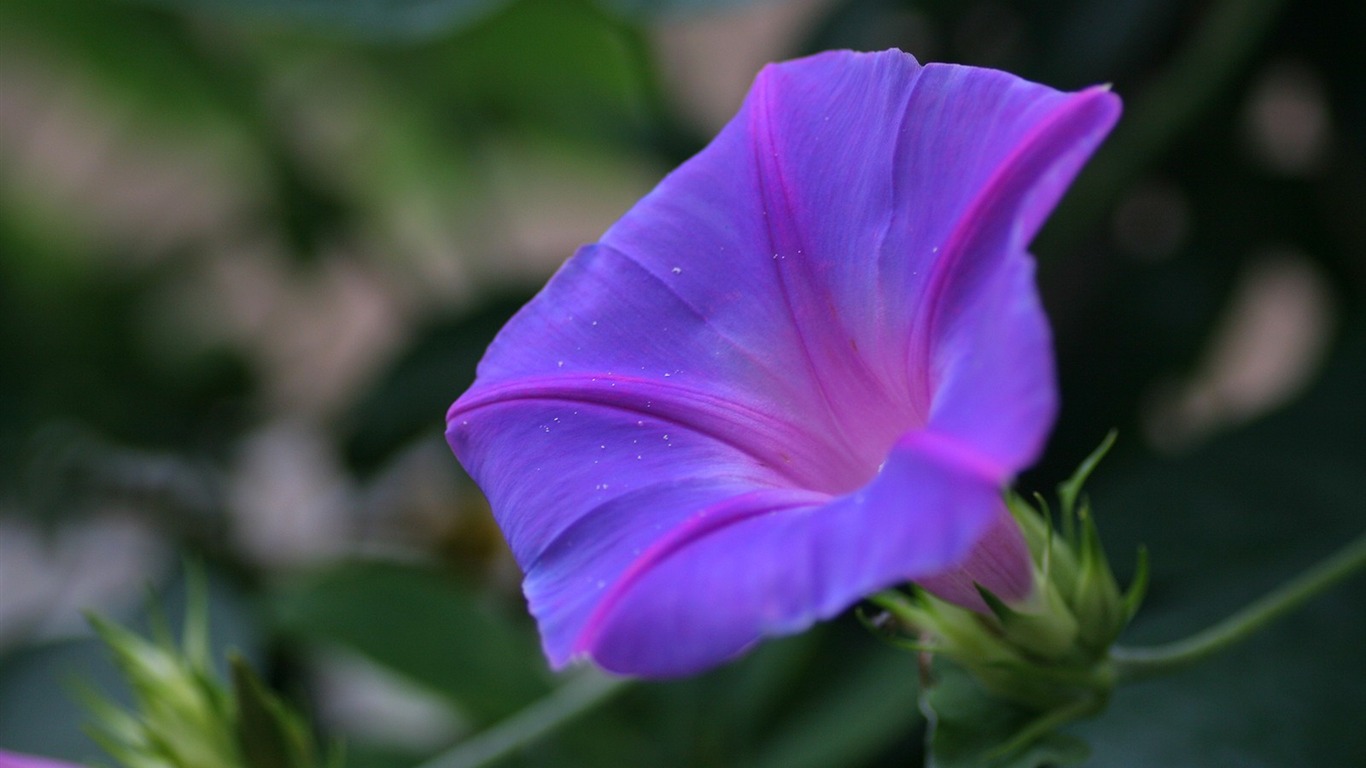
pixel 13 760
pixel 800 370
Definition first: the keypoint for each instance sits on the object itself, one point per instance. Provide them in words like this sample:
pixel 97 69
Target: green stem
pixel 571 700
pixel 1139 663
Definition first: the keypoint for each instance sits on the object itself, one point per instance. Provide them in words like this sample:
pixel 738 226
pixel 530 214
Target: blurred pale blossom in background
pixel 246 259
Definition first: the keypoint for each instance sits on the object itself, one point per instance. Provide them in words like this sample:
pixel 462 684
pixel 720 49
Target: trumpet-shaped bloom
pixel 798 371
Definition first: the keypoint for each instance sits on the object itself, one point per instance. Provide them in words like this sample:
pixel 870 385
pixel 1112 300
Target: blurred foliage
pixel 433 632
pixel 218 217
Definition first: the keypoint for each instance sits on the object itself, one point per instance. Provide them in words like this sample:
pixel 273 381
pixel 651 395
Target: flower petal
pixel 773 562
pixel 987 342
pixel 797 371
pixel 13 760
pixel 548 453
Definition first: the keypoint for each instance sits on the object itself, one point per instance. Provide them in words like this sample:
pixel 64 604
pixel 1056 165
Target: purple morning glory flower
pixel 800 370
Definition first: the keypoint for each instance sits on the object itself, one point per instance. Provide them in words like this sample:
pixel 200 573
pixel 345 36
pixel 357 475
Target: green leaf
pixel 373 19
pixel 673 7
pixel 402 19
pixel 549 63
pixel 970 729
pixel 146 62
pixel 424 626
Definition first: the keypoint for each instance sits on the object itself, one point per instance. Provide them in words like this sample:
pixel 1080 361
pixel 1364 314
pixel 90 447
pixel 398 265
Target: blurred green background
pixel 250 250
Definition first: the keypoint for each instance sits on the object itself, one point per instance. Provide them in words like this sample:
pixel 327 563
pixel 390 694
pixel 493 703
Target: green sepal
pixel 269 734
pixel 1070 489
pixel 1097 601
pixel 1051 553
pixel 1138 586
pixel 1048 633
pixel 888 635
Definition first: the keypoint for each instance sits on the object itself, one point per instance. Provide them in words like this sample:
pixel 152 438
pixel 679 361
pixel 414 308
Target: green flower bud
pixel 1047 653
pixel 184 716
pixel 180 709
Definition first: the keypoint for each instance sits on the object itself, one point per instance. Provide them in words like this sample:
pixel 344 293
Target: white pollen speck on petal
pixel 678 270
